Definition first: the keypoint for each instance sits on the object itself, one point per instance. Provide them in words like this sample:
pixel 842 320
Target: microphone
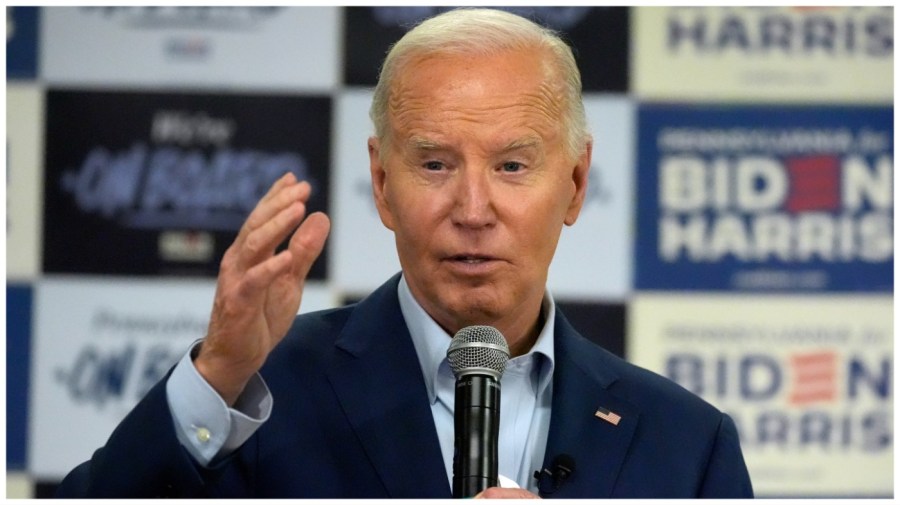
pixel 550 479
pixel 477 356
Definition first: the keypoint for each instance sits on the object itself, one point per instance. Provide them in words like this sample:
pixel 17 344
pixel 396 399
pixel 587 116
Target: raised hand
pixel 258 292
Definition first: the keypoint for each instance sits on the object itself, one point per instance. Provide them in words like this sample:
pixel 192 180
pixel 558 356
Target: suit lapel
pixel 378 381
pixel 581 387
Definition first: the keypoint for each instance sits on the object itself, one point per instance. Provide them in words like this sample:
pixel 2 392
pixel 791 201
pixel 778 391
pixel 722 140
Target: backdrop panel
pixel 808 380
pixel 796 199
pixel 752 54
pixel 24 180
pixel 159 183
pixel 99 345
pixel 599 35
pixel 262 48
pixel 361 249
pixel 594 257
pixel 22 42
pixel 18 356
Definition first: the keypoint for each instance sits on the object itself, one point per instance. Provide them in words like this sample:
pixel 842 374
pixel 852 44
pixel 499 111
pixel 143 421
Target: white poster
pixel 99 345
pixel 263 47
pixel 362 250
pixel 24 180
pixel 775 53
pixel 808 381
pixel 594 257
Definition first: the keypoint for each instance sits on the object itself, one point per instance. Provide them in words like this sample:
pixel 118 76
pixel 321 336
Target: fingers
pixel 261 242
pixel 270 222
pixel 284 191
pixel 308 241
pixel 305 246
pixel 260 276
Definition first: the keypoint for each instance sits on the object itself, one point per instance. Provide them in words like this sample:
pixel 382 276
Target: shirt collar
pixel 431 341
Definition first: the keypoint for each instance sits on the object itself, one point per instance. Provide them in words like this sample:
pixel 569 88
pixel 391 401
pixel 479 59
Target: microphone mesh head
pixel 478 349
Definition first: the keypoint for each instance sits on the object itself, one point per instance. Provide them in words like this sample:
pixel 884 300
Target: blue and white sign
pixel 100 343
pixel 788 199
pixel 808 381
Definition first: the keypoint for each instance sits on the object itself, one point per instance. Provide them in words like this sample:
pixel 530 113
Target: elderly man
pixel 480 156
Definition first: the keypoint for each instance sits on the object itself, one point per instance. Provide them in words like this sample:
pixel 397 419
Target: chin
pixel 470 314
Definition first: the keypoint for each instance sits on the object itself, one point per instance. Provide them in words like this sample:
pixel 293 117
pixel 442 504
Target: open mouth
pixel 471 259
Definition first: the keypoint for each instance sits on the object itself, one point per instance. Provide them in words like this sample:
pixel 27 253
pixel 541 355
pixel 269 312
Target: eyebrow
pixel 529 141
pixel 426 144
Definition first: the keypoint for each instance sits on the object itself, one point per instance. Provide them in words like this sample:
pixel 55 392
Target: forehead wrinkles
pixel 438 87
pixel 411 108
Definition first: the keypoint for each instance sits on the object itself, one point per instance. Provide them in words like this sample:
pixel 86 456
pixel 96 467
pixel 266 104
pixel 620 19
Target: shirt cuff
pixel 204 424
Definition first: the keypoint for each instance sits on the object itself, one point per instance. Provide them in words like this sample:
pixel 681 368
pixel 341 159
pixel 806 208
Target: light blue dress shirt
pixel 525 392
pixel 210 430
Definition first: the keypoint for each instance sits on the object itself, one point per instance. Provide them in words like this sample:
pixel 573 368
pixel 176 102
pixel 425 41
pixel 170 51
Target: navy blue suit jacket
pixel 351 418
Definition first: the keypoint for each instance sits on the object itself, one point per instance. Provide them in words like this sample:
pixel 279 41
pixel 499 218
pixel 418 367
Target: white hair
pixel 484 32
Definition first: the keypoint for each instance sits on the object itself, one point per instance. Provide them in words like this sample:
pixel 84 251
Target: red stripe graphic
pixel 814 377
pixel 815 184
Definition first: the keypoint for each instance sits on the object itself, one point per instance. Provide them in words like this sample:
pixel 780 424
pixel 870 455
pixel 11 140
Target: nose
pixel 473 200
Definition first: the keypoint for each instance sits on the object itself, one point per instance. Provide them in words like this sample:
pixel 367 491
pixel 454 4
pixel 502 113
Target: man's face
pixel 476 185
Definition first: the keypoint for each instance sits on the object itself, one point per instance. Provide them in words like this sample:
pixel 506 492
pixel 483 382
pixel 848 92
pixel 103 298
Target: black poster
pixel 159 183
pixel 599 37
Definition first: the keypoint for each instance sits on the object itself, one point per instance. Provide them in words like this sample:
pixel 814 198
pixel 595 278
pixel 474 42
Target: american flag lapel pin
pixel 608 416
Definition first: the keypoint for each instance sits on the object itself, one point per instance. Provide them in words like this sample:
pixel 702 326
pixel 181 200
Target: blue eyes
pixel 509 166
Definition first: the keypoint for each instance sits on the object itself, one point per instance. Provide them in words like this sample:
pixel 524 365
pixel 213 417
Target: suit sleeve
pixel 726 472
pixel 142 458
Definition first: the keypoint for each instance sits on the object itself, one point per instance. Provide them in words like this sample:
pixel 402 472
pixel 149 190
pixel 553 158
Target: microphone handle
pixel 476 433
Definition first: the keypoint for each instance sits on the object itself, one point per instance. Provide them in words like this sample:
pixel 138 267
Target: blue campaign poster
pixel 765 198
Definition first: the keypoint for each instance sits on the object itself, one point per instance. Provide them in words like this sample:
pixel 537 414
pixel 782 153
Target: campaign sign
pixel 155 183
pixel 791 199
pixel 99 345
pixel 773 53
pixel 599 35
pixel 808 381
pixel 173 46
pixel 21 42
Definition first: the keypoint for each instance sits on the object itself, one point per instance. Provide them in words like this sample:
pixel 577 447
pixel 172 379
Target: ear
pixel 580 179
pixel 379 183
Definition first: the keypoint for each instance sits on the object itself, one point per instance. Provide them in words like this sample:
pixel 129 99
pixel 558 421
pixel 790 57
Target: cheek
pixel 413 214
pixel 398 201
pixel 542 223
